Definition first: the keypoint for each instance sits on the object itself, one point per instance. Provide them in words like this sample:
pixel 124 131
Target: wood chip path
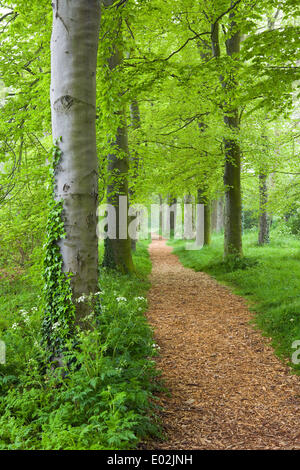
pixel 228 389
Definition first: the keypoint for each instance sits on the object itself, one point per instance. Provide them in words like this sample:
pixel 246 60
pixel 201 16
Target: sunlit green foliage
pixel 168 69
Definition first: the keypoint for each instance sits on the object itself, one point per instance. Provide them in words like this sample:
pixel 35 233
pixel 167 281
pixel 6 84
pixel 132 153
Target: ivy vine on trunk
pixel 59 308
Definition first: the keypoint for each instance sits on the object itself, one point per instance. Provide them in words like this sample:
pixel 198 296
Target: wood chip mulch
pixel 228 389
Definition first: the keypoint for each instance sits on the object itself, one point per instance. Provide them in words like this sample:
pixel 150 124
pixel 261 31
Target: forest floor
pixel 228 389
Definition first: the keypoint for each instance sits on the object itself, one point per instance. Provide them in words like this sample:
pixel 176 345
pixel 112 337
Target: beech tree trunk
pixel 74 46
pixel 213 219
pixel 220 215
pixel 217 215
pixel 232 167
pixel 233 200
pixel 205 54
pixel 172 216
pixel 207 217
pixel 188 217
pixel 232 171
pixel 263 234
pixel 161 221
pixel 200 225
pixel 117 251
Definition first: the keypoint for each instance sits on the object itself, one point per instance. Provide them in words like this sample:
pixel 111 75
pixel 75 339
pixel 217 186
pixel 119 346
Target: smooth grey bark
pixel 263 234
pixel 188 217
pixel 74 46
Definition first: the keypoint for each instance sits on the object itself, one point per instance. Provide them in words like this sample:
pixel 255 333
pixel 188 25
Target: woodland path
pixel 229 391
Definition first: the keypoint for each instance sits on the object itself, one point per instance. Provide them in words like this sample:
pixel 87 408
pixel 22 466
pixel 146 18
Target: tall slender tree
pixel 232 171
pixel 232 166
pixel 202 199
pixel 74 48
pixel 118 254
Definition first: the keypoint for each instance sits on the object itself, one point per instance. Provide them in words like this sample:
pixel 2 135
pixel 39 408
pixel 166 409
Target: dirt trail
pixel 228 389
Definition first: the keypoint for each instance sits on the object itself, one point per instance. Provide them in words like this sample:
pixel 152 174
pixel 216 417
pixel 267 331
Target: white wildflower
pixel 25 316
pixel 121 299
pixel 81 299
pixel 55 325
pixel 14 326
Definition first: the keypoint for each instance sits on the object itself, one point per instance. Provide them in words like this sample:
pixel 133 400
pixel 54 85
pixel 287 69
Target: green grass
pixel 15 295
pixel 107 403
pixel 269 279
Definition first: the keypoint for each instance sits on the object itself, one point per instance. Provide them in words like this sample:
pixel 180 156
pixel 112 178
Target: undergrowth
pixel 108 402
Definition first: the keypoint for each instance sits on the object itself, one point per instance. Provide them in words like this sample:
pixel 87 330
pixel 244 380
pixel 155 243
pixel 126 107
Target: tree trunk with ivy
pixel 74 46
pixel 117 250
